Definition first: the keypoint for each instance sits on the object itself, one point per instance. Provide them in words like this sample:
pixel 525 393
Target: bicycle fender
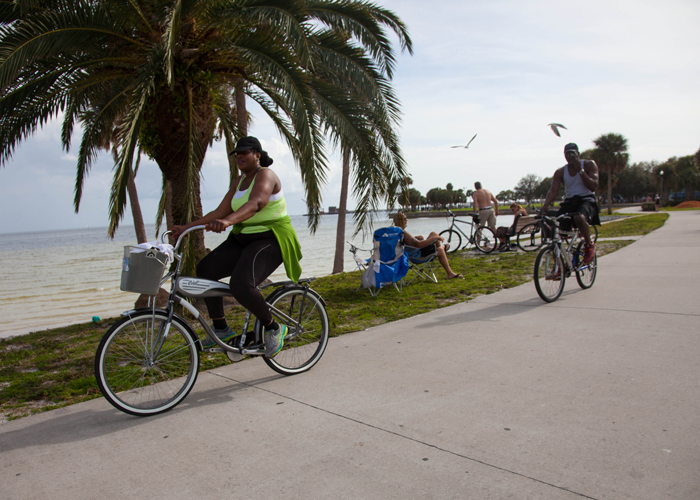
pixel 295 287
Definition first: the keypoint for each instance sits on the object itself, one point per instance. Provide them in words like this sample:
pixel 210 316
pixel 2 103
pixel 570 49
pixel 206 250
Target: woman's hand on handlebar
pixel 217 225
pixel 175 233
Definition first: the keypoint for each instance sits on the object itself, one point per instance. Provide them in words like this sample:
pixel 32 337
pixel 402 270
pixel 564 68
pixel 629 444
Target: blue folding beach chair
pixel 420 261
pixel 388 263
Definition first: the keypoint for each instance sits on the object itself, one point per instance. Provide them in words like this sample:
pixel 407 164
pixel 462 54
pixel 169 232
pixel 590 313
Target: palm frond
pixel 170 39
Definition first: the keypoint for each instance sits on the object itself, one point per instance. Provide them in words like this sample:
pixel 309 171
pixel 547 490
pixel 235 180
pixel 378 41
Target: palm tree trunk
pixel 342 210
pixel 232 166
pixel 139 226
pixel 241 112
pixel 169 221
pixel 173 160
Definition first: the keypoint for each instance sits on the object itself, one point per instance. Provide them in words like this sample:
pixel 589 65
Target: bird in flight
pixel 555 128
pixel 465 147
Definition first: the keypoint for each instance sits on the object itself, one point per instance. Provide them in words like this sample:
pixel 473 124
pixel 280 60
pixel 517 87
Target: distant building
pixel 332 210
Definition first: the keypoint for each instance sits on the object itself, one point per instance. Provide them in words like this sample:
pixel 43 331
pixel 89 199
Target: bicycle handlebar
pixel 547 217
pixel 454 216
pixel 184 233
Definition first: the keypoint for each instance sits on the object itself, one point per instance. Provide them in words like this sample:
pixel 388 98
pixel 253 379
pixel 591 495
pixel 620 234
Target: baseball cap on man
pixel 571 147
pixel 246 143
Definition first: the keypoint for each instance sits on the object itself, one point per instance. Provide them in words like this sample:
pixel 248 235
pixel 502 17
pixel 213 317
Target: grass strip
pixel 632 226
pixel 54 368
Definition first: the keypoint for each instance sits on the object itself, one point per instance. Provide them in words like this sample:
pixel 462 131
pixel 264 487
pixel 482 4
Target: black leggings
pixel 248 259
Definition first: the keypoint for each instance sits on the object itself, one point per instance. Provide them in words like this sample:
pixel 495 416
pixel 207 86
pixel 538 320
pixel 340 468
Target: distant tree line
pixel 436 198
pixel 618 181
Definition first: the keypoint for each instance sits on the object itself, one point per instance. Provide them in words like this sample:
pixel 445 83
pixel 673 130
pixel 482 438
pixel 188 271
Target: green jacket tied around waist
pixel 288 241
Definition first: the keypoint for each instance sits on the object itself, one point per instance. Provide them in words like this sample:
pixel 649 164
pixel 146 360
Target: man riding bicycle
pixel 580 179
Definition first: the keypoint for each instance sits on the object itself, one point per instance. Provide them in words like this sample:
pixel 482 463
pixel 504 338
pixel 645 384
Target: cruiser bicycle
pixel 148 361
pixel 559 258
pixel 483 238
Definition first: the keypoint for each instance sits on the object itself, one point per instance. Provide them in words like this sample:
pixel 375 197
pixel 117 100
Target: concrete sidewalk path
pixel 504 397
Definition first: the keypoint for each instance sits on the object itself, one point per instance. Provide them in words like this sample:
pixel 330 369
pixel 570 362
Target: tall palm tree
pixel 163 73
pixel 611 155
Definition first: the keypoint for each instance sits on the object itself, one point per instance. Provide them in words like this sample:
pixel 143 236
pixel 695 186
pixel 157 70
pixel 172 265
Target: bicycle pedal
pixel 254 349
pixel 213 349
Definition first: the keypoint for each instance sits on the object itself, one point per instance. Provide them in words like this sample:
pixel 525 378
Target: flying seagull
pixel 555 128
pixel 465 147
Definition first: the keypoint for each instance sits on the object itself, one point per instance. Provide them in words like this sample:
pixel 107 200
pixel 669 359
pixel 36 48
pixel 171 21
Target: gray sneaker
pixel 224 335
pixel 274 340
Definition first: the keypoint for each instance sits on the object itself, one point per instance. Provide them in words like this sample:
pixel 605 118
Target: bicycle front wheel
pixel 453 239
pixel 530 237
pixel 585 272
pixel 485 239
pixel 141 373
pixel 549 274
pixel 308 337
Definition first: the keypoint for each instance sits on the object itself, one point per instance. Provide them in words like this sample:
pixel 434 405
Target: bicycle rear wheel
pixel 139 377
pixel 549 274
pixel 305 343
pixel 585 272
pixel 530 237
pixel 453 238
pixel 485 239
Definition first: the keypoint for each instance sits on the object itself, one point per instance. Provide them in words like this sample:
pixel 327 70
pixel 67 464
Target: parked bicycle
pixel 559 258
pixel 532 236
pixel 483 238
pixel 148 361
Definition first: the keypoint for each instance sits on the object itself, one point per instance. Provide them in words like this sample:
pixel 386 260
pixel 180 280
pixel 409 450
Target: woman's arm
pixel 220 212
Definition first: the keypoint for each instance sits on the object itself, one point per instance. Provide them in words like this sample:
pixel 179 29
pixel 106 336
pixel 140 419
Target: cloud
pixel 501 68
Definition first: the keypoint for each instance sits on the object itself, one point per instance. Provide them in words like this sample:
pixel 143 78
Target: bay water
pixel 57 278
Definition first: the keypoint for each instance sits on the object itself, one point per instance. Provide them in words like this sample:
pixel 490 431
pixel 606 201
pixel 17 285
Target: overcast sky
pixel 502 69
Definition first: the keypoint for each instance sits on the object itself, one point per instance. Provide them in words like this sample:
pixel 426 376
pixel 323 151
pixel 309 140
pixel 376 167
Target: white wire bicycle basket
pixel 142 270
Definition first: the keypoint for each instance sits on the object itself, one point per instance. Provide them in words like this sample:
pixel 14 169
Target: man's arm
pixel 589 175
pixel 476 203
pixel 494 201
pixel 553 190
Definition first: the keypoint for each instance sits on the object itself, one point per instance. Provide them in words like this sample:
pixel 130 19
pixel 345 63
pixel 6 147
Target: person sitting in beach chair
pixel 427 246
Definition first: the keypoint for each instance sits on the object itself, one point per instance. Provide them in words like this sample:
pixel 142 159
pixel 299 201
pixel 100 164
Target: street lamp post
pixel 661 203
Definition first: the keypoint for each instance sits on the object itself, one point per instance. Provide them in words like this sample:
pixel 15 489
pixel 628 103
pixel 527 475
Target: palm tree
pixel 166 75
pixel 611 155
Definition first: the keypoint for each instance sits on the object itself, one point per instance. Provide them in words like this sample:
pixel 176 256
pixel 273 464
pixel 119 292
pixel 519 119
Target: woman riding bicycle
pixel 262 238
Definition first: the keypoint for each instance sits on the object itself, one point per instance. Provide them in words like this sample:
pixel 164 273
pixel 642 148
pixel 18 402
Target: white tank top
pixel 573 184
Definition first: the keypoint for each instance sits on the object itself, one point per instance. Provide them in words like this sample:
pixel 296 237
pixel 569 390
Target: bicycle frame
pixel 454 226
pixel 559 243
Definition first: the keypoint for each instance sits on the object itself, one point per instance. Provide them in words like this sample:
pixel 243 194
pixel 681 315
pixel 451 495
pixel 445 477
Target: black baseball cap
pixel 570 147
pixel 246 143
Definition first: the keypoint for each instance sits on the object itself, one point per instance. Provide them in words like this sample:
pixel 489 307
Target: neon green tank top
pixel 275 209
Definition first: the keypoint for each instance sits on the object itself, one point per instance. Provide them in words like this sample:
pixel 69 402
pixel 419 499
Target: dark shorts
pixel 585 206
pixel 429 250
